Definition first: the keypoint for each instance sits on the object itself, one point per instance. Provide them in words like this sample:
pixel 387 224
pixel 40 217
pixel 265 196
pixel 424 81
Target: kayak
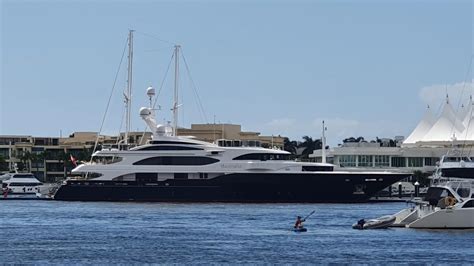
pixel 378 223
pixel 301 229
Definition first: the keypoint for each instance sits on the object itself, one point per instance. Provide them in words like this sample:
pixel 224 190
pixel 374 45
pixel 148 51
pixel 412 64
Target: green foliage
pixel 3 164
pixel 421 177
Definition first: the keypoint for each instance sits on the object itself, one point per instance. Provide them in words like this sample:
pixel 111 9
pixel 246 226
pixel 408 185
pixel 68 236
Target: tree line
pixel 29 159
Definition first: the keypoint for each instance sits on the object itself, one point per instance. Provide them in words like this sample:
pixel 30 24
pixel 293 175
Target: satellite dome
pixel 150 91
pixel 161 130
pixel 145 111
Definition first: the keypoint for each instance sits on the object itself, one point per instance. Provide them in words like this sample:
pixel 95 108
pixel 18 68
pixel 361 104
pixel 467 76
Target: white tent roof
pixel 422 128
pixel 468 133
pixel 466 116
pixel 447 127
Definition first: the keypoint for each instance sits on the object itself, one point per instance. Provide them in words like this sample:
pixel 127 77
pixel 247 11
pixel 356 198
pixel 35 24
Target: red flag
pixel 73 160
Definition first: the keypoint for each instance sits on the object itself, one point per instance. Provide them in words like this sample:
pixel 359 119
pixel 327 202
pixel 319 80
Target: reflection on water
pixel 103 232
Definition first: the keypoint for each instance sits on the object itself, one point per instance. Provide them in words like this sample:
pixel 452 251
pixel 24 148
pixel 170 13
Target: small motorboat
pixel 378 223
pixel 300 229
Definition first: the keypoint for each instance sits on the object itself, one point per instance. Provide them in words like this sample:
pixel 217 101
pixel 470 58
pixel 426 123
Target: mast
pixel 128 95
pixel 176 80
pixel 323 143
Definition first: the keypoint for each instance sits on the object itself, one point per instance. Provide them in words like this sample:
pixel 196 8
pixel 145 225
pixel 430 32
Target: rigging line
pixel 154 37
pixel 158 50
pixel 470 115
pixel 164 79
pixel 110 97
pixel 464 81
pixel 121 124
pixel 194 86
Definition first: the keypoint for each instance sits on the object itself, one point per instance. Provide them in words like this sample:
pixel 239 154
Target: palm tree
pixel 25 158
pixel 38 158
pixel 309 146
pixel 3 164
pixel 290 146
pixel 64 158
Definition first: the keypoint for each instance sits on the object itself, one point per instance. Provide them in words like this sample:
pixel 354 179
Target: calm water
pixel 95 233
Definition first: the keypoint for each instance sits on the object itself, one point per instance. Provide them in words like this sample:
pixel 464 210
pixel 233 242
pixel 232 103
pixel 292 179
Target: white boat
pixel 20 185
pixel 377 223
pixel 448 204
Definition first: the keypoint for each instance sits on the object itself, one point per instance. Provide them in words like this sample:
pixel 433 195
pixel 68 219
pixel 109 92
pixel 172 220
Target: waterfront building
pixel 433 137
pixel 48 158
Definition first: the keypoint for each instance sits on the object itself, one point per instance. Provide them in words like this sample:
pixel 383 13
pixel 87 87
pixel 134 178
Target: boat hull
pixel 446 219
pixel 236 187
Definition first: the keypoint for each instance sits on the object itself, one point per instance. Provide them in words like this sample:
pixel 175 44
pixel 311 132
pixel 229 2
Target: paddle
pixel 309 215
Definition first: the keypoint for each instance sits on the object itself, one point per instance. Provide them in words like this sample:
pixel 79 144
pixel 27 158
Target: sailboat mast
pixel 176 80
pixel 128 96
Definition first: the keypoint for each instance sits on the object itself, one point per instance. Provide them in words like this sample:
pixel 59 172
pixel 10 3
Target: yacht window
pixel 456 159
pixel 25 184
pixel 94 175
pixel 464 191
pixel 262 156
pixel 236 143
pixel 171 142
pixel 23 176
pixel 177 160
pixel 180 175
pixel 469 204
pixel 106 159
pixel 146 177
pixel 203 175
pixel 312 168
pixel 167 148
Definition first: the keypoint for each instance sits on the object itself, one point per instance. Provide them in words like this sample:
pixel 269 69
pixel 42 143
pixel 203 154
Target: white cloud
pixel 435 95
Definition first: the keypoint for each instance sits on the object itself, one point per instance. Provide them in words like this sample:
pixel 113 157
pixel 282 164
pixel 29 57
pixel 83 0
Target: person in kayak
pixel 299 222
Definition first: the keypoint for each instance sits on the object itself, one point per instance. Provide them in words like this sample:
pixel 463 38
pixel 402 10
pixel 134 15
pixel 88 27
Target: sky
pixel 368 68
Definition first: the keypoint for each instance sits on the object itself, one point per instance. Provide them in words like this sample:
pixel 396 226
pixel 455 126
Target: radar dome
pixel 145 111
pixel 161 130
pixel 150 91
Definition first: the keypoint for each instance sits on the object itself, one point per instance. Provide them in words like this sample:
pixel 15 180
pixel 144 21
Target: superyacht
pixel 182 169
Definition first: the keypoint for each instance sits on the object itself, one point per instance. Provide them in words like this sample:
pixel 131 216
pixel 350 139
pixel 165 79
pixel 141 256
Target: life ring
pixel 449 201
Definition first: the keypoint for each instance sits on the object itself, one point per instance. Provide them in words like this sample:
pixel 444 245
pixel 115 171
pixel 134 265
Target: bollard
pixel 400 190
pixel 417 189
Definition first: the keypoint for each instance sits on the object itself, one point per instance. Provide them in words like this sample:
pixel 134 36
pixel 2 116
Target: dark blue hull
pixel 239 187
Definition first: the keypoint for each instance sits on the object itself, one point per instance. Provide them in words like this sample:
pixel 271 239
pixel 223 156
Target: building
pixel 433 137
pixel 48 158
pixel 214 132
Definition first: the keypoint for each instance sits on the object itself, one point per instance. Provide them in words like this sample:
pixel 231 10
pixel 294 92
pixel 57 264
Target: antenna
pixel 323 143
